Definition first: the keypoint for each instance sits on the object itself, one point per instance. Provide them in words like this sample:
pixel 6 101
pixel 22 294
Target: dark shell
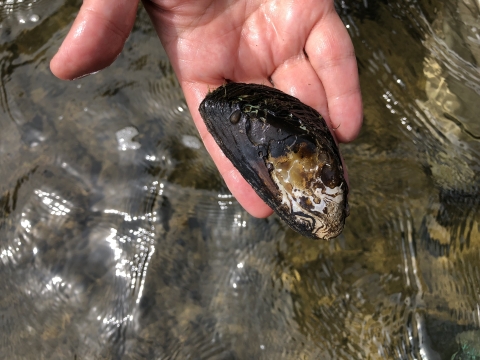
pixel 284 149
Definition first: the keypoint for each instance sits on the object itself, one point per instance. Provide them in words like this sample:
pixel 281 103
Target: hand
pixel 299 46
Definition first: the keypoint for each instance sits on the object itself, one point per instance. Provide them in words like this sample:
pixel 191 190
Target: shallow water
pixel 119 239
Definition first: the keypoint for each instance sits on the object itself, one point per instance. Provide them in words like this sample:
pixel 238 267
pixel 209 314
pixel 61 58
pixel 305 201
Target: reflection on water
pixel 118 238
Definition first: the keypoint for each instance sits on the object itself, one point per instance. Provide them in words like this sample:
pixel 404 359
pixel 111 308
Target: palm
pixel 261 42
pixel 300 47
pixel 251 41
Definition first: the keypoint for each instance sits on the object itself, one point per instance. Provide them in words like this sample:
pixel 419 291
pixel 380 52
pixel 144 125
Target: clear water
pixel 118 238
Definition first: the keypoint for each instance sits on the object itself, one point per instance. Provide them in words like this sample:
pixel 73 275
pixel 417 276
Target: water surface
pixel 119 239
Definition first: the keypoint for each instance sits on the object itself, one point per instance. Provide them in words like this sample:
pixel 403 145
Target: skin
pixel 299 46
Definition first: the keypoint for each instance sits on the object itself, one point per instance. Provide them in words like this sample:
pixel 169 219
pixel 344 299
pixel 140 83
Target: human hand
pixel 300 46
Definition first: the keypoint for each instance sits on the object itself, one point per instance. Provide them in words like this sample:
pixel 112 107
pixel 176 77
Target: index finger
pixel 330 51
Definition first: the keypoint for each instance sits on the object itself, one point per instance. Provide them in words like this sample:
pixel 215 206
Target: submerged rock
pixel 284 149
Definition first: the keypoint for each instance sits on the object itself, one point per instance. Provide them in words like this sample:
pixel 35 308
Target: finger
pixel 331 53
pixel 241 190
pixel 297 77
pixel 96 38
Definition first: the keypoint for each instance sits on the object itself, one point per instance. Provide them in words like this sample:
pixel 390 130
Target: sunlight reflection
pixel 225 200
pixel 134 269
pixel 55 204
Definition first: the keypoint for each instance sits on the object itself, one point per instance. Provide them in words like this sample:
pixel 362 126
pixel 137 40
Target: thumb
pixel 96 38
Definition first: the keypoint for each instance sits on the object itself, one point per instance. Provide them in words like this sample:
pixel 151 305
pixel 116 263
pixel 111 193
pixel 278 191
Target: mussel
pixel 285 151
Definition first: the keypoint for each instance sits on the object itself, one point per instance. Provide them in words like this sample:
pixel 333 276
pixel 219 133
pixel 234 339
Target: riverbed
pixel 119 239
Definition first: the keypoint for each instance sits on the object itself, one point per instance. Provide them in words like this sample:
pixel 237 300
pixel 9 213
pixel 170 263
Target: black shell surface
pixel 284 149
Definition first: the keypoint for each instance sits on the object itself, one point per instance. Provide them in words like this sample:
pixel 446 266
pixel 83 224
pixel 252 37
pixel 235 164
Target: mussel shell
pixel 284 149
